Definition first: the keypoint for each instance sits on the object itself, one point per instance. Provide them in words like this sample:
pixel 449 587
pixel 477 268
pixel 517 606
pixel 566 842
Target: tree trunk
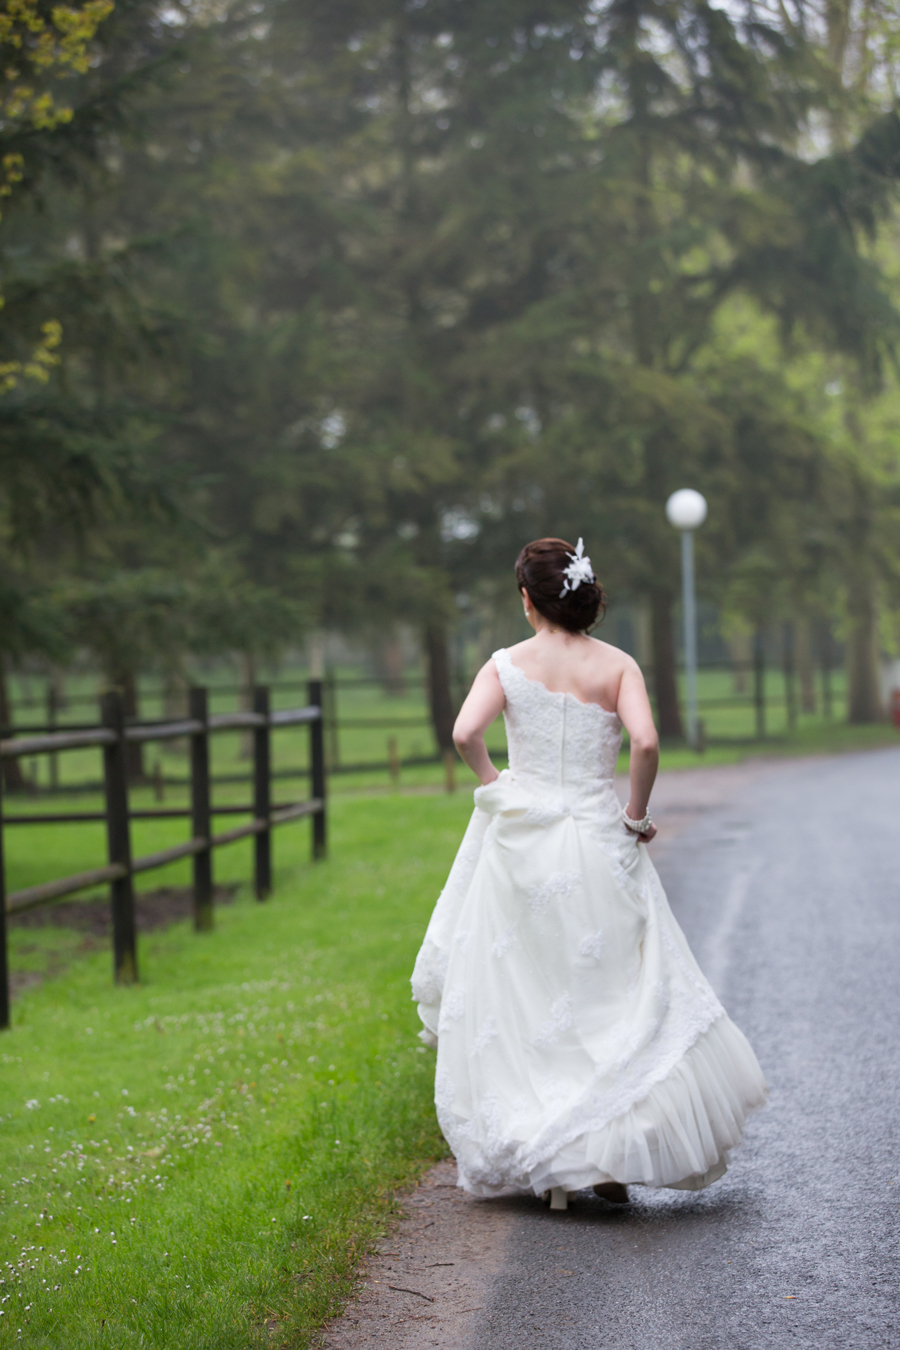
pixel 56 701
pixel 174 707
pixel 863 695
pixel 665 679
pixel 248 683
pixel 134 751
pixel 316 656
pixel 643 639
pixel 806 670
pixel 13 777
pixel 389 663
pixel 441 701
pixel 174 693
pixel 825 646
pixel 741 651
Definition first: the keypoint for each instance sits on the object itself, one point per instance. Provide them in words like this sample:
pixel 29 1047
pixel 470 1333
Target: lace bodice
pixel 556 741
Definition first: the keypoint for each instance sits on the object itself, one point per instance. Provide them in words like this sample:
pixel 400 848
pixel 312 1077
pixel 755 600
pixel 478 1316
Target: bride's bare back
pixel 589 670
pixel 567 663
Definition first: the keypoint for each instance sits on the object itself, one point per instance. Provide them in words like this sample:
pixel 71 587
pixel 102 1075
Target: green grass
pixel 198 1161
pixel 36 853
pixel 726 707
pixel 814 738
pixel 41 853
pixel 351 744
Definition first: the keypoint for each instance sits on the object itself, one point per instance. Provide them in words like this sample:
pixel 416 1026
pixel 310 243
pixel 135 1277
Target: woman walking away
pixel 578 1042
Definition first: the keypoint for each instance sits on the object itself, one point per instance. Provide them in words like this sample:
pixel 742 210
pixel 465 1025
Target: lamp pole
pixel 686 510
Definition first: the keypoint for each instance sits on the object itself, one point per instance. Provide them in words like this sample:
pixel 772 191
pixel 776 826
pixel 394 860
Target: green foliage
pixel 148 618
pixel 37 43
pixel 378 292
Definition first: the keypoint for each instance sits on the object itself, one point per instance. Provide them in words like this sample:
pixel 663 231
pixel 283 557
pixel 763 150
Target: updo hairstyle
pixel 540 570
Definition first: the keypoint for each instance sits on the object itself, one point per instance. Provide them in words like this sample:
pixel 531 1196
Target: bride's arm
pixel 484 703
pixel 634 709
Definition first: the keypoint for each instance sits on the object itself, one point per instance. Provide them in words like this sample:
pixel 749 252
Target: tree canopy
pixel 355 298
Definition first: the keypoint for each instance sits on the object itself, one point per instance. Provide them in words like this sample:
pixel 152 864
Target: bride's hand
pixel 628 815
pixel 645 836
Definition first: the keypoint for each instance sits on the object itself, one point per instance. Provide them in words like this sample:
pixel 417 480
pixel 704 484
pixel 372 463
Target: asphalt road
pixel 790 897
pixel 786 879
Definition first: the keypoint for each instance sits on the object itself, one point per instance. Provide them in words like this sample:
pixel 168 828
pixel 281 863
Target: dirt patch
pixel 430 1276
pixel 91 920
pixel 153 909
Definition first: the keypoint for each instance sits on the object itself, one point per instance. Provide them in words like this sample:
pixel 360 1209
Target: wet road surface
pixel 788 889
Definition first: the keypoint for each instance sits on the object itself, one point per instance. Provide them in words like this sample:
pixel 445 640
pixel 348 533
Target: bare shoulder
pixel 614 658
pixel 488 671
pixel 613 674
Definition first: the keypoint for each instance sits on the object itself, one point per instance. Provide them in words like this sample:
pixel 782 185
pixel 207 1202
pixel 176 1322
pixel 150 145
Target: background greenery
pixel 352 300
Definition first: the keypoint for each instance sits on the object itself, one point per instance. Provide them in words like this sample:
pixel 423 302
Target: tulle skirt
pixel 680 1134
pixel 578 1041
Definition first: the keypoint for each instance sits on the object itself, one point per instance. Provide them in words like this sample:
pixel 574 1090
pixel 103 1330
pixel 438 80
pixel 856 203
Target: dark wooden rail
pixel 112 736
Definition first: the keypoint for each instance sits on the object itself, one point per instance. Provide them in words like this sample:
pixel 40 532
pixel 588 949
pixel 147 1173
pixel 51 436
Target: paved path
pixel 787 884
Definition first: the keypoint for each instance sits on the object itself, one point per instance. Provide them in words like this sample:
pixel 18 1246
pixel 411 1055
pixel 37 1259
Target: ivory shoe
pixel 613 1192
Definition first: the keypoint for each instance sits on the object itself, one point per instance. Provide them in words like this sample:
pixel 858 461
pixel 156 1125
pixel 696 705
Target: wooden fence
pixel 114 736
pixel 757 700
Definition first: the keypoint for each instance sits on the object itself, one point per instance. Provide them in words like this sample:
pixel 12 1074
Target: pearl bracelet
pixel 638 826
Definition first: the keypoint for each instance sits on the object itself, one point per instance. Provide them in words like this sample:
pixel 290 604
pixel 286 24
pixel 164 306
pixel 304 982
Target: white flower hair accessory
pixel 578 570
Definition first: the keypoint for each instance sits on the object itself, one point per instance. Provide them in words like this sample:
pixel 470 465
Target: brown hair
pixel 540 570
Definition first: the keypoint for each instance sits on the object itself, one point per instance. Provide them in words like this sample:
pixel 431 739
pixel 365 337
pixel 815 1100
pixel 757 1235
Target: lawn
pixel 198 1161
pixel 369 717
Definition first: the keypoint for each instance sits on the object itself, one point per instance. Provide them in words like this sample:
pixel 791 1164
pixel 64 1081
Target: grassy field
pixel 199 1160
pixel 368 716
pixel 37 853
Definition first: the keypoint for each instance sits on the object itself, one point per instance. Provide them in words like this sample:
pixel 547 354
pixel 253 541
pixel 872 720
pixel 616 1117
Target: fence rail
pixel 113 736
pixel 764 702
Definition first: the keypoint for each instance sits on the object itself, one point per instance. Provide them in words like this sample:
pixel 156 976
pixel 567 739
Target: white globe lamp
pixel 686 509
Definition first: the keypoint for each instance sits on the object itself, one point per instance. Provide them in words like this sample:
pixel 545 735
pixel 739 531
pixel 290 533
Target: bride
pixel 578 1042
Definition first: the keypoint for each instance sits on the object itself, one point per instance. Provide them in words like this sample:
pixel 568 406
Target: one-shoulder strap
pixel 501 660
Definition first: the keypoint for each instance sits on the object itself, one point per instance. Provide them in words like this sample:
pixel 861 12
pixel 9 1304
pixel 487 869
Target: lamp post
pixel 686 510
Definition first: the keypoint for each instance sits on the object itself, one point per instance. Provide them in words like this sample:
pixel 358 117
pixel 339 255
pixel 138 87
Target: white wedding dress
pixel 577 1039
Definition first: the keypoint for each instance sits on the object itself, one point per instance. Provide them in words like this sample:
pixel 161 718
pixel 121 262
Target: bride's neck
pixel 547 633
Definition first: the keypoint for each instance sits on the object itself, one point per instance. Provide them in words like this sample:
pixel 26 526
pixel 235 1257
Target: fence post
pixel 827 699
pixel 118 834
pixel 4 958
pixel 759 685
pixel 394 763
pixel 329 706
pixel 450 770
pixel 790 692
pixel 262 844
pixel 52 708
pixel 317 769
pixel 201 828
